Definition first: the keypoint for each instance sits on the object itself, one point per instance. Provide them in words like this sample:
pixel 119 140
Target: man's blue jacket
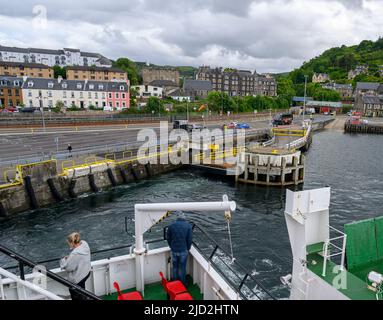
pixel 179 236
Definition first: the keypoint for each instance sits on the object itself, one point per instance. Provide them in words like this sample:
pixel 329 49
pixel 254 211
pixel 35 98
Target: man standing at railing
pixel 180 237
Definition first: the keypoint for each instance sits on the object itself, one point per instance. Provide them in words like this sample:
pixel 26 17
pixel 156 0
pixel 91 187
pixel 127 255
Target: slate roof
pixel 9 82
pixel 197 85
pixel 367 86
pixel 373 99
pixel 163 83
pixel 92 68
pixel 24 64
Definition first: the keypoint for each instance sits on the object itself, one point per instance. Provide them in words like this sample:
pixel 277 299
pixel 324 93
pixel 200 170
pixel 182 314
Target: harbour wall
pixel 40 185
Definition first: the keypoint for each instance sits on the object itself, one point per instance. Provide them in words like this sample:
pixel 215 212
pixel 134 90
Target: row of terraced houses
pixel 27 78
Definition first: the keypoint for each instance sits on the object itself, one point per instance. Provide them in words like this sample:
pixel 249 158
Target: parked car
pixel 283 119
pixel 242 126
pixel 10 110
pixel 191 127
pixel 28 110
pixel 231 125
pixel 178 123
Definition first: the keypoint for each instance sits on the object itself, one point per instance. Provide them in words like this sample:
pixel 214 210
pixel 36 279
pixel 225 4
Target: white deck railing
pixel 339 251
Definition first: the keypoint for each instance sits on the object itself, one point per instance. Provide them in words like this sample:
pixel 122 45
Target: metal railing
pixel 24 262
pixel 338 251
pixel 234 273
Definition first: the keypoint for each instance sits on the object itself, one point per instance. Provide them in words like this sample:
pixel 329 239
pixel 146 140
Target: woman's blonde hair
pixel 74 238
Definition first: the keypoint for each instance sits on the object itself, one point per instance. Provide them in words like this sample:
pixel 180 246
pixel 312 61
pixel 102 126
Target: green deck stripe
pixel 356 289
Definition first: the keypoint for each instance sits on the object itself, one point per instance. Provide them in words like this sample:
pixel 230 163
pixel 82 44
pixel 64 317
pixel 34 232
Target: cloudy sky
pixel 266 35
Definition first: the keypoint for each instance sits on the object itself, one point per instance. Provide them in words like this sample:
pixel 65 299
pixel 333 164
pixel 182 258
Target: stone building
pixel 366 89
pixel 150 74
pixel 372 105
pixel 238 82
pixel 345 90
pixel 362 69
pixel 11 94
pixel 320 77
pixel 197 89
pixel 17 69
pixel 95 73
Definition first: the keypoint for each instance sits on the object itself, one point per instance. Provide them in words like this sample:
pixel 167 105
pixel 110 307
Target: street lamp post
pixel 304 100
pixel 42 111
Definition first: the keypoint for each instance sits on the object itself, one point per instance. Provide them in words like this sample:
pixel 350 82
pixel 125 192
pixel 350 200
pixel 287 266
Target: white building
pixel 147 91
pixel 64 57
pixel 81 94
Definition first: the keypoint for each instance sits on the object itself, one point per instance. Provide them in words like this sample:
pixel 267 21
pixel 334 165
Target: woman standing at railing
pixel 77 264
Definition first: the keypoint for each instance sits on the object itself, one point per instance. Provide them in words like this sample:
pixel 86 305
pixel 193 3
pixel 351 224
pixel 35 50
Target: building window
pixel 123 96
pixel 64 94
pixel 90 95
pixel 72 94
pixel 49 93
pixel 110 96
pixel 117 95
pixel 29 93
pixel 79 86
pixel 96 95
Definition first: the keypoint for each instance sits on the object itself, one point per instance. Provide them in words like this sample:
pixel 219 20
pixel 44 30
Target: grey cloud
pixel 185 31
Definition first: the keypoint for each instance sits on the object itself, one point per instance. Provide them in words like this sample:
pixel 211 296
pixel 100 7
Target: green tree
pixel 59 71
pixel 286 88
pixel 58 106
pixel 129 67
pixel 219 101
pixel 154 106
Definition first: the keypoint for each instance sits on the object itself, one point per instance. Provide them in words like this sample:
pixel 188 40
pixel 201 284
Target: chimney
pixel 59 79
pixel 25 78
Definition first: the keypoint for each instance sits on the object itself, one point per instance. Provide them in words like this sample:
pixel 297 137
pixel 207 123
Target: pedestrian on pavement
pixel 180 237
pixel 69 150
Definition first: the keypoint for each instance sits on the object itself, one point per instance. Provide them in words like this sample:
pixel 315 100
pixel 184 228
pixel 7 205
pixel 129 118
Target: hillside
pixel 337 62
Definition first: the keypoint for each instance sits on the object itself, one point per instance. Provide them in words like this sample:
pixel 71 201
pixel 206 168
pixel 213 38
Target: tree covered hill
pixel 337 62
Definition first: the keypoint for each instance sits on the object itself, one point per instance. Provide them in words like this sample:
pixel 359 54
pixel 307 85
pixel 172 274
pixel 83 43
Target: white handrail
pixel 342 250
pixel 29 285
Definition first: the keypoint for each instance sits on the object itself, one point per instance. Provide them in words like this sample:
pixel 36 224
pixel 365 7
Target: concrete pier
pixel 363 128
pixel 271 168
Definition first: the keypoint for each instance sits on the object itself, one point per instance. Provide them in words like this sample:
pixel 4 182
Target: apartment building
pixel 95 73
pixel 17 69
pixel 63 57
pixel 238 82
pixel 11 94
pixel 79 93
